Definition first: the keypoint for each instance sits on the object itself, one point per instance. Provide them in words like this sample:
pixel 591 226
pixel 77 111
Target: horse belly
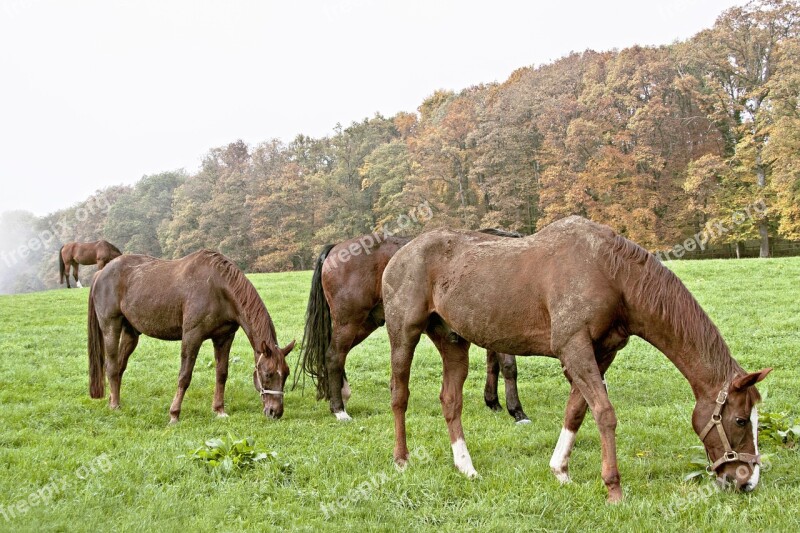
pixel 493 323
pixel 157 321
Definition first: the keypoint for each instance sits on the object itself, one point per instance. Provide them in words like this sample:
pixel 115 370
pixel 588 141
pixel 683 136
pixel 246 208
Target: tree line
pixel 656 142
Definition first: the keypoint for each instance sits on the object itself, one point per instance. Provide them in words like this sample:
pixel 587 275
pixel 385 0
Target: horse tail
pixel 317 333
pixel 61 265
pixel 96 351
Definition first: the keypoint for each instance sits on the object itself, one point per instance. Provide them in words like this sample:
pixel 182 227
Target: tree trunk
pixel 763 228
pixel 739 249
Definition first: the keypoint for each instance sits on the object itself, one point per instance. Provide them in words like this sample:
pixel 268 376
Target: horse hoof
pixel 494 405
pixel 523 421
pixel 562 476
pixel 342 416
pixel 173 420
pixel 471 473
pixel 222 415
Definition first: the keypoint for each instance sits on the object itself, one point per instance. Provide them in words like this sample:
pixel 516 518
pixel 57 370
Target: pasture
pixel 69 463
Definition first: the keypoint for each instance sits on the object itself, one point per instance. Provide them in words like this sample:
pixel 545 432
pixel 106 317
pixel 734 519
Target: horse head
pixel 269 376
pixel 728 426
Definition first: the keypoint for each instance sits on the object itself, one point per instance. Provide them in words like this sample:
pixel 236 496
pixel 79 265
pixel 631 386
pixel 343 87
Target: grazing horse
pixel 575 291
pixel 73 254
pixel 201 296
pixel 345 307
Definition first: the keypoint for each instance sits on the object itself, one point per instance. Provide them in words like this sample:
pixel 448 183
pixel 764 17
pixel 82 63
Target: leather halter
pixel 261 388
pixel 716 420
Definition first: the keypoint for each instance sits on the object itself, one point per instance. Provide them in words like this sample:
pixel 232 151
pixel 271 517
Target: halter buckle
pixel 722 397
pixel 731 456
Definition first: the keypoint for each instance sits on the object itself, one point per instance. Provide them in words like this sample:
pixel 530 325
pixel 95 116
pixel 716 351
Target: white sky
pixel 96 93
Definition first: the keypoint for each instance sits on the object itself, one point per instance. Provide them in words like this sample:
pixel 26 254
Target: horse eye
pixel 741 422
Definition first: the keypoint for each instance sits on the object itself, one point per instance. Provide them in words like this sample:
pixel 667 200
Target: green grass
pixel 52 432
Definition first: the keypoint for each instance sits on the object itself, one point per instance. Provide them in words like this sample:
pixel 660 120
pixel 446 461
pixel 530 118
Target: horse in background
pixel 345 307
pixel 73 254
pixel 575 291
pixel 201 296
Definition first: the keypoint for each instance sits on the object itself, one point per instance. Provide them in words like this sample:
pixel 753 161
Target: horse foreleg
pixel 574 415
pixel 578 359
pixel 222 349
pixel 189 348
pixel 573 418
pixel 508 365
pixel 75 273
pixel 492 377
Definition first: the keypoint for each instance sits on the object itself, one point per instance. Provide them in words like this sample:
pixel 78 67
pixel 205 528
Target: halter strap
pixel 716 421
pixel 261 388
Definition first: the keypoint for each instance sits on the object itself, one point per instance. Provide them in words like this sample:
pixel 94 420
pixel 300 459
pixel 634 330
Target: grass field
pixel 68 463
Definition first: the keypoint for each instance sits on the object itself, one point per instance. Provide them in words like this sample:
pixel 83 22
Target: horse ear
pixel 263 347
pixel 288 348
pixel 748 380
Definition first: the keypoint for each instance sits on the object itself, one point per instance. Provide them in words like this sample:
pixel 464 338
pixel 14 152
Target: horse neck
pixel 253 318
pixel 673 322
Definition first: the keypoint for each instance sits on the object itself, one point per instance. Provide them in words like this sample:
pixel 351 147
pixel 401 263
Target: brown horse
pixel 345 307
pixel 73 254
pixel 201 296
pixel 574 291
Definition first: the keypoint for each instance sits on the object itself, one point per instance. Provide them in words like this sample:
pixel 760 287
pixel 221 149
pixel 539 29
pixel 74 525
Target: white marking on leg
pixel 79 285
pixel 523 421
pixel 342 416
pixel 462 459
pixel 753 481
pixel 559 462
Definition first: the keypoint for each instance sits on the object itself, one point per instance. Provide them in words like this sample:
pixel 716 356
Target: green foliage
pixel 227 455
pixel 779 429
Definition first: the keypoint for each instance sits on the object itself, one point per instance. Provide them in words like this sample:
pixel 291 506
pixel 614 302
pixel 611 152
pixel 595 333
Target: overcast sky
pixel 97 93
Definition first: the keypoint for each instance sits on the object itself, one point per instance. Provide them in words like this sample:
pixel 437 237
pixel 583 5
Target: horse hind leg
pixel 342 341
pixel 403 341
pixel 112 331
pixel 492 377
pixel 455 359
pixel 508 366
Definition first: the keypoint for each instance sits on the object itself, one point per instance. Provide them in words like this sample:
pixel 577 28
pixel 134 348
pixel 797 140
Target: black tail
pixel 61 265
pixel 317 334
pixel 97 381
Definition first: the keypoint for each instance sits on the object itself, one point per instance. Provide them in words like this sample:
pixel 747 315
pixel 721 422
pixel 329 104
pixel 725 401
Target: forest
pixel 657 142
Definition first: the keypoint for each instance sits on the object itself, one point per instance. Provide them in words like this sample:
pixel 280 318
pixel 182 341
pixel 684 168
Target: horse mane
pixel 657 290
pixel 497 232
pixel 245 294
pixel 113 247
